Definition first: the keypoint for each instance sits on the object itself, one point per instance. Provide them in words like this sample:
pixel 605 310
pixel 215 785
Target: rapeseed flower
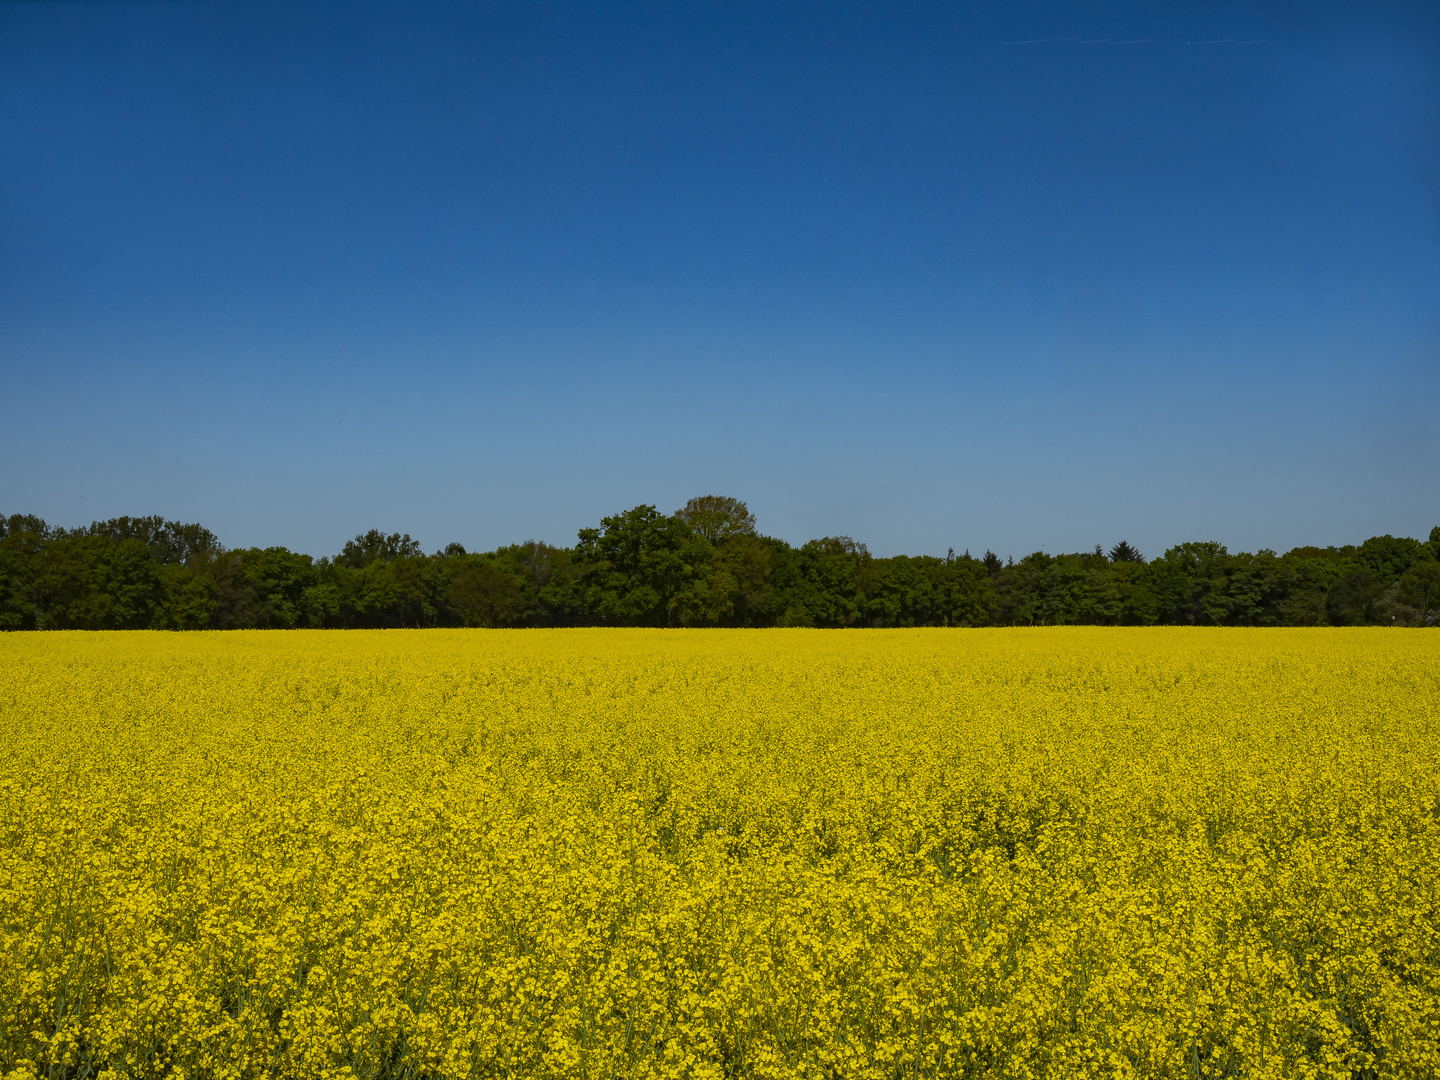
pixel 1072 852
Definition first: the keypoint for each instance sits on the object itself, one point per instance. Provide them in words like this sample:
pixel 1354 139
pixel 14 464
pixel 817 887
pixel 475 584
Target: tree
pixel 1351 600
pixel 1123 552
pixel 168 541
pixel 376 546
pixel 483 594
pixel 22 536
pixel 32 529
pixel 1137 605
pixel 632 569
pixel 1387 557
pixel 18 610
pixel 727 585
pixel 278 579
pixel 829 589
pixel 1414 600
pixel 187 599
pixel 717 518
pixel 969 593
pixel 94 583
pixel 1255 589
pixel 1188 583
pixel 705 565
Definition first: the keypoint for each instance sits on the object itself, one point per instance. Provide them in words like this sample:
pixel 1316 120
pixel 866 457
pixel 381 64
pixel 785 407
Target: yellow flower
pixel 1073 852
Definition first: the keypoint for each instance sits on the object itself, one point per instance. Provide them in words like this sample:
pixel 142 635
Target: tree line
pixel 704 565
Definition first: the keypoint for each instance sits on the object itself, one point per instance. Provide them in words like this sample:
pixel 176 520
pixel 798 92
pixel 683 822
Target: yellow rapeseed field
pixel 613 853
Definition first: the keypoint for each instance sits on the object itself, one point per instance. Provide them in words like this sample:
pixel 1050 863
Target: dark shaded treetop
pixel 1123 552
pixel 376 546
pixel 717 518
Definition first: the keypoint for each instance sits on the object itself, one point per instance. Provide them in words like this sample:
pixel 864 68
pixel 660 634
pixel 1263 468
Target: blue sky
pixel 1006 276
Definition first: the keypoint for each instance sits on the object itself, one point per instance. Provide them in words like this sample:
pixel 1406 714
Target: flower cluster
pixel 614 853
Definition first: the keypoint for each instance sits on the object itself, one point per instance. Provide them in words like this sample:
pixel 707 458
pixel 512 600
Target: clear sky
pixel 1007 276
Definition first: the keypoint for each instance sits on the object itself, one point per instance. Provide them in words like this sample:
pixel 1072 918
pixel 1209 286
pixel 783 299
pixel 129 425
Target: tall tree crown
pixel 1123 552
pixel 717 518
pixel 376 546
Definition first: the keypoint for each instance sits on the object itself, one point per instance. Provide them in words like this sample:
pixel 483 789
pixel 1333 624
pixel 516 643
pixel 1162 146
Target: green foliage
pixel 22 536
pixel 1414 599
pixel 1123 552
pixel 169 541
pixel 188 598
pixel 89 582
pixel 277 579
pixel 1351 600
pixel 18 610
pixel 376 546
pixel 717 518
pixel 704 565
pixel 483 594
pixel 634 568
pixel 1387 557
